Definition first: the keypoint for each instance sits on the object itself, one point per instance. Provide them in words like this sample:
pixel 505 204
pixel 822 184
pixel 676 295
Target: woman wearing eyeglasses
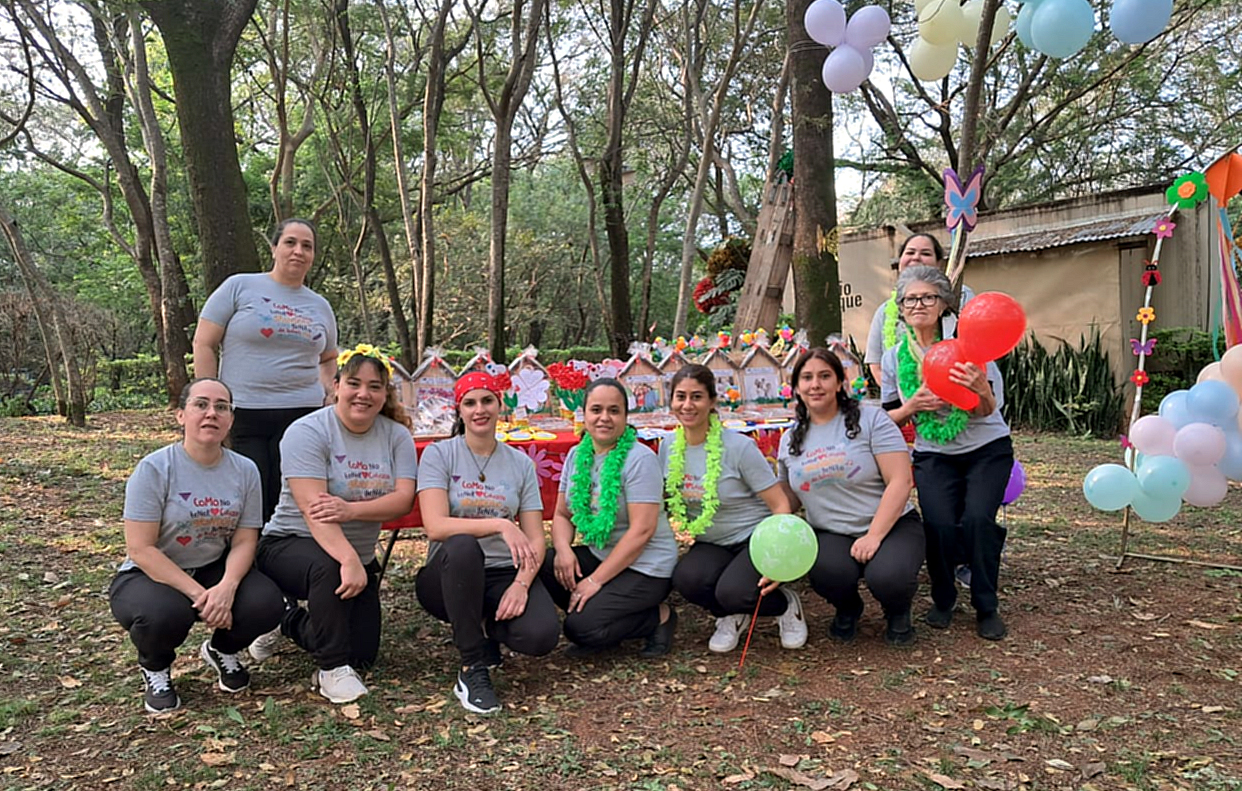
pixel 962 460
pixel 192 519
pixel 921 249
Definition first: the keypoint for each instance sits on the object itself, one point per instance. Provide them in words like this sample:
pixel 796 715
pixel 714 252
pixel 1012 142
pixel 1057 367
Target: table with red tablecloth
pixel 549 458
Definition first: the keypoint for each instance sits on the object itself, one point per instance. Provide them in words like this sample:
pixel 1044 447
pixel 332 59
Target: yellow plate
pixel 544 435
pixel 519 436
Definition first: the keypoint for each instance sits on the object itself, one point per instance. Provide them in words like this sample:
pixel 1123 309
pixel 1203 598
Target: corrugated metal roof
pixel 1119 227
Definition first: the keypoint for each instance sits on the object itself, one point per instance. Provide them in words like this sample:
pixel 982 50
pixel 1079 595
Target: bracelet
pixel 591 580
pixel 523 584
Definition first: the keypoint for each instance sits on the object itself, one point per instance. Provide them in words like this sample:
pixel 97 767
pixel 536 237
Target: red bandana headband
pixel 477 380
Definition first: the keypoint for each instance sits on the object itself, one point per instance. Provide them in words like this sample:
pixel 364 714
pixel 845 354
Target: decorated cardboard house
pixel 478 362
pixel 787 363
pixel 761 377
pixel 431 382
pixel 728 376
pixel 532 385
pixel 669 366
pixel 645 384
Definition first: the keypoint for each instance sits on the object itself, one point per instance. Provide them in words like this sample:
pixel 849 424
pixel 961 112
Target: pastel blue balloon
pixel 1155 509
pixel 1230 464
pixel 1173 408
pixel 1109 487
pixel 1162 477
pixel 1023 25
pixel 1213 402
pixel 1139 21
pixel 1060 28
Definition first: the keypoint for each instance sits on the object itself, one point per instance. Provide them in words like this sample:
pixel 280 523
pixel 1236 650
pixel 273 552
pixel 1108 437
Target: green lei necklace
pixel 596 526
pixel 930 426
pixel 676 475
pixel 890 321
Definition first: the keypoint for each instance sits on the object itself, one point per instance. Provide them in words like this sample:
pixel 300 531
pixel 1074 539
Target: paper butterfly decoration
pixel 1143 349
pixel 962 201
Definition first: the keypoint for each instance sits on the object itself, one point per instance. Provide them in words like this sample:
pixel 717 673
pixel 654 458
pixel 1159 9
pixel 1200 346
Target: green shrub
pixel 1070 389
pixel 1175 362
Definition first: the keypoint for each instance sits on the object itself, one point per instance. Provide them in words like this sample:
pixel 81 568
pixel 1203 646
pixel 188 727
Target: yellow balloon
pixel 968 29
pixel 1000 25
pixel 931 63
pixel 919 5
pixel 1210 371
pixel 940 22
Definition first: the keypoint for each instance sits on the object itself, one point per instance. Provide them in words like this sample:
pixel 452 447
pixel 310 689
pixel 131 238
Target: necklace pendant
pixel 482 478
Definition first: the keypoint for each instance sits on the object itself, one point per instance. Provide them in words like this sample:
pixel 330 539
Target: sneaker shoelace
pixel 158 680
pixel 340 673
pixel 229 662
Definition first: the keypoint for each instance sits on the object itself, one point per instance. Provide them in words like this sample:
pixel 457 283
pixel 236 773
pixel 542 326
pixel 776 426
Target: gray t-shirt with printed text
pixel 744 472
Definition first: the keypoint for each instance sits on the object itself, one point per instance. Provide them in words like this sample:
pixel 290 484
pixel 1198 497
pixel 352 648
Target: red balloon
pixel 937 364
pixel 990 326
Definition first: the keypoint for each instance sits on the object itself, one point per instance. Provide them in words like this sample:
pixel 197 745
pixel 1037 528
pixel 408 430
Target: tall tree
pixel 817 281
pixel 200 38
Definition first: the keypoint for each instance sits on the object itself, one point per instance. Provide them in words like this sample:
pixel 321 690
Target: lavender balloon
pixel 825 22
pixel 867 27
pixel 844 70
pixel 1016 484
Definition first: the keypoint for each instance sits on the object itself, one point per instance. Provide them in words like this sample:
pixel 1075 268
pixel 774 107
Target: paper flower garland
pixel 1188 191
pixel 1146 315
pixel 1164 229
pixel 1139 378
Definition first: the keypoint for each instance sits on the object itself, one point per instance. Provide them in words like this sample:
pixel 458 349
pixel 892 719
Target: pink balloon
pixel 1153 435
pixel 1199 444
pixel 1207 487
pixel 825 22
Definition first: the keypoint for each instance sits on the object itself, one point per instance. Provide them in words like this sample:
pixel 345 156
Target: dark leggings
pixel 455 587
pixel 892 574
pixel 959 495
pixel 333 630
pixel 256 435
pixel 626 607
pixel 722 580
pixel 159 617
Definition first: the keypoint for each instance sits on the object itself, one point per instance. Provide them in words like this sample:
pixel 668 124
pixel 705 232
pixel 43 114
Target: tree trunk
pixel 817 283
pixel 200 38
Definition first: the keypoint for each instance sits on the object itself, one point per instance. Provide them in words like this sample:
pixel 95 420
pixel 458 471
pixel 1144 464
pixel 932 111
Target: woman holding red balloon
pixel 963 454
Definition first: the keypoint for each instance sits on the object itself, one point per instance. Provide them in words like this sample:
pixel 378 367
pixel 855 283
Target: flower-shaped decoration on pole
pixel 1146 315
pixel 1188 191
pixel 531 387
pixel 569 385
pixel 1164 229
pixel 1139 378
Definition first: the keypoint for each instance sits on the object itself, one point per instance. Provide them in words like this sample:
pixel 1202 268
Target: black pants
pixel 722 580
pixel 334 631
pixel 456 588
pixel 892 574
pixel 959 495
pixel 256 435
pixel 159 617
pixel 627 607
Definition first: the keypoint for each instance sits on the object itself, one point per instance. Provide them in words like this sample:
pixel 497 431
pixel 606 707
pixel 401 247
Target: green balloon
pixel 783 547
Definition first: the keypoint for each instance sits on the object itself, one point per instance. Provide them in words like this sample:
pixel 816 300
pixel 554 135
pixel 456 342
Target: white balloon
pixel 931 63
pixel 825 22
pixel 1000 25
pixel 968 28
pixel 867 27
pixel 919 5
pixel 844 70
pixel 940 22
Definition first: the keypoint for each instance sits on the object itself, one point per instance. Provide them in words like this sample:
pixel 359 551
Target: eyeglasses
pixel 917 300
pixel 202 405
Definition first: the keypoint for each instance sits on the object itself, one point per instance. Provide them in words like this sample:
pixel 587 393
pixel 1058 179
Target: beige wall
pixel 1064 289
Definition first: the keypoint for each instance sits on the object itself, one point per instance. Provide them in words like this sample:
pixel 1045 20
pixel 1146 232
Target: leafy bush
pixel 1070 389
pixel 1179 355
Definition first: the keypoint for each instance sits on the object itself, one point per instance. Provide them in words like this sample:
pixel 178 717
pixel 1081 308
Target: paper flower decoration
pixel 1139 378
pixel 1188 191
pixel 1146 315
pixel 1164 229
pixel 786 392
pixel 733 394
pixel 532 388
pixel 786 333
pixel 681 343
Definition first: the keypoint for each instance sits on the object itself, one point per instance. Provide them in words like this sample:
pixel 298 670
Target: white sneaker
pixel 339 685
pixel 792 623
pixel 265 645
pixel 728 631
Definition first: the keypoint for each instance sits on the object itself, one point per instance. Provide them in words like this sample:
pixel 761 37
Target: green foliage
pixel 459 357
pixel 1070 389
pixel 1180 353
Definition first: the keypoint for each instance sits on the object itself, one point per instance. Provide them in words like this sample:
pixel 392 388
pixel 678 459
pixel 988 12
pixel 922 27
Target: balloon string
pixel 742 662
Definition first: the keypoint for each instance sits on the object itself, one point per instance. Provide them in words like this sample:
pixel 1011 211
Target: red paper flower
pixel 702 301
pixel 504 382
pixel 1139 378
pixel 567 377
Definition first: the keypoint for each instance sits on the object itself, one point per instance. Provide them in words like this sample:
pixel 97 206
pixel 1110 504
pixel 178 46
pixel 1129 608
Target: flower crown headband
pixel 366 350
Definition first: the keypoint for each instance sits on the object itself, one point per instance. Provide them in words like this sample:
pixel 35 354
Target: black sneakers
pixel 474 690
pixel 899 632
pixel 231 675
pixel 989 626
pixel 937 618
pixel 843 627
pixel 661 640
pixel 159 697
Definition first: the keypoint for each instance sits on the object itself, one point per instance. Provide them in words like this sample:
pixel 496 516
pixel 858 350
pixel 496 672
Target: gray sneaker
pixel 159 696
pixel 475 691
pixel 265 646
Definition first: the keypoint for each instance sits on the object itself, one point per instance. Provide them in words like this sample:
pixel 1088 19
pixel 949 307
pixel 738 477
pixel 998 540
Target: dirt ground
pixel 1109 679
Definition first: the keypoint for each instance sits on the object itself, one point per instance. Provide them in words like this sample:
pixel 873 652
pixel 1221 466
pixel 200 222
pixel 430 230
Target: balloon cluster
pixel 990 326
pixel 943 24
pixel 1188 452
pixel 1061 28
pixel 851 59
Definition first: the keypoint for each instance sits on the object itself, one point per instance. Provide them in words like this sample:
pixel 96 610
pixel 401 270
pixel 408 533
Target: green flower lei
pixel 891 316
pixel 596 526
pixel 676 474
pixel 930 426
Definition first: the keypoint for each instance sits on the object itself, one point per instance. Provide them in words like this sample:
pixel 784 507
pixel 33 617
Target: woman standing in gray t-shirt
pixel 273 341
